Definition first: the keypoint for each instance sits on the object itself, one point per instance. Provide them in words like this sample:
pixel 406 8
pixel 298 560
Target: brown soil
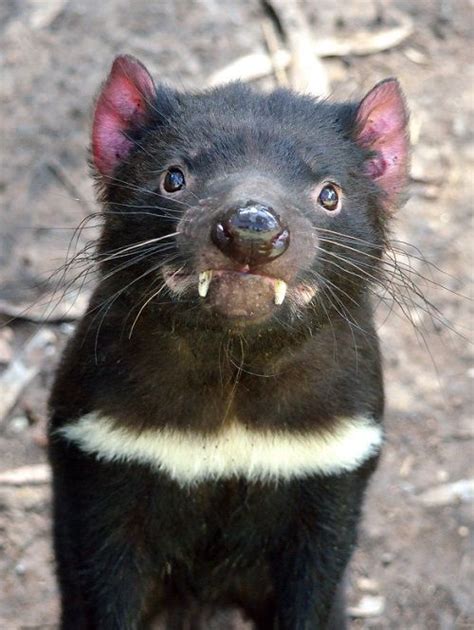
pixel 414 554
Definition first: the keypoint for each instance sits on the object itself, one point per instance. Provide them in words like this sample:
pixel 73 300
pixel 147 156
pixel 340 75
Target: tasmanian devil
pixel 217 413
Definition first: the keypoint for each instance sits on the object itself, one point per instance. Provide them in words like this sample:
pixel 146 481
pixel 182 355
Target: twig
pixel 26 475
pixel 461 491
pixel 369 606
pixel 67 183
pixel 307 72
pixel 68 308
pixel 271 41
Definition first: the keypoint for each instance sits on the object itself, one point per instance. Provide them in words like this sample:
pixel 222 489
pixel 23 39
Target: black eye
pixel 174 180
pixel 329 197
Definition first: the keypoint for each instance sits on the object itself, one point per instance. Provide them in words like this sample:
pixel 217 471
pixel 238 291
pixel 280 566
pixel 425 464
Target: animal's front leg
pixel 308 567
pixel 114 585
pixel 104 565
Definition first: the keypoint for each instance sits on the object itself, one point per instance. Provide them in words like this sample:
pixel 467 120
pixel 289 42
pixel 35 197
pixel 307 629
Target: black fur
pixel 128 540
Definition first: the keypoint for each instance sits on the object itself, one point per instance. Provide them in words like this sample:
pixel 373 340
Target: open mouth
pixel 240 295
pixel 233 294
pixel 205 279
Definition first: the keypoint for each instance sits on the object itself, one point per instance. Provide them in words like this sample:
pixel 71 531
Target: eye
pixel 329 197
pixel 174 180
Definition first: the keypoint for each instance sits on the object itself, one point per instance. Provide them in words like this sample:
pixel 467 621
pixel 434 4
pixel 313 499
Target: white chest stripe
pixel 236 451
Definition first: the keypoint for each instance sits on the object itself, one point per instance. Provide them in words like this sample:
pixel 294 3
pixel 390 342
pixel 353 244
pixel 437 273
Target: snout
pixel 251 234
pixel 247 243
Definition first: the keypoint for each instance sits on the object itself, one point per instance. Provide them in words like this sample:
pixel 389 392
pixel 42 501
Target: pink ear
pixel 122 105
pixel 381 126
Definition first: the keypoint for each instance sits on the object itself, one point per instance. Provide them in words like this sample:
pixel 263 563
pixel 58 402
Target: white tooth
pixel 205 278
pixel 280 291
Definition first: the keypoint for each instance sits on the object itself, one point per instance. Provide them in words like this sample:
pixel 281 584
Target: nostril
pixel 221 234
pixel 281 241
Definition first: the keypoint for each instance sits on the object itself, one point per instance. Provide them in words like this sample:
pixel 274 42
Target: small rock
pixel 416 56
pixel 20 569
pixel 460 126
pixel 442 475
pixel 67 328
pixel 407 465
pixel 18 424
pixel 387 558
pixel 368 586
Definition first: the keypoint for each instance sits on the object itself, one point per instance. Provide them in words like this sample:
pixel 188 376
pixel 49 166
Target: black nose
pixel 252 234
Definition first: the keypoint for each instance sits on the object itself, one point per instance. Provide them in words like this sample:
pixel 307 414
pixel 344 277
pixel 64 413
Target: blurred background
pixel 413 568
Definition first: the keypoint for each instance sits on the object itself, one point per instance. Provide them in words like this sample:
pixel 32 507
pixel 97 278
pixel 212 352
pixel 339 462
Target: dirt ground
pixel 414 567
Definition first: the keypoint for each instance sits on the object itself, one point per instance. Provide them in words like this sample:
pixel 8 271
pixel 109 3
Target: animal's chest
pixel 220 526
pixel 235 452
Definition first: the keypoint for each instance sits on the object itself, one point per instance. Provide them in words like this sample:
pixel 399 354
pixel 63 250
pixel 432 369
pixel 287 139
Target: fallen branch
pixel 251 67
pixel 51 307
pixel 306 71
pixel 272 44
pixel 23 370
pixel 258 65
pixel 367 42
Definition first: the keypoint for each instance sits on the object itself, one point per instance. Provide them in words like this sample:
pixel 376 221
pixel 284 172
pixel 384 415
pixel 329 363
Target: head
pixel 232 209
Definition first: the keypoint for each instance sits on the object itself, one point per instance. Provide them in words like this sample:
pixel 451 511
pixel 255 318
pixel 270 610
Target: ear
pixel 123 105
pixel 381 127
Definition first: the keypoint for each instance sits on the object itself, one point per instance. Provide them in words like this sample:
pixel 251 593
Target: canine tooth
pixel 205 278
pixel 280 291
